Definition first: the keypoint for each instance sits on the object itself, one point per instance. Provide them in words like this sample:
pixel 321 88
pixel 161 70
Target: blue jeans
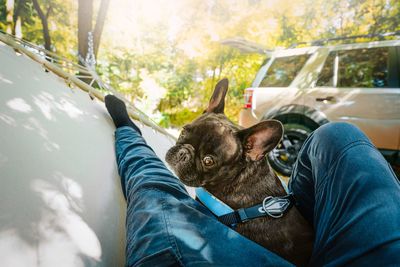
pixel 341 183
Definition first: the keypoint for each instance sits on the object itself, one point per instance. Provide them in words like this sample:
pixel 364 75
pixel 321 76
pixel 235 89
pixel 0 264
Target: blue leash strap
pixel 216 206
pixel 274 207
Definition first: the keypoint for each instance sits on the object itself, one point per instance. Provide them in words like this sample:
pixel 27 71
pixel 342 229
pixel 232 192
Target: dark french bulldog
pixel 229 162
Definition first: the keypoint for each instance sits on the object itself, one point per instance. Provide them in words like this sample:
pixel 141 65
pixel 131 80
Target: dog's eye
pixel 208 161
pixel 182 134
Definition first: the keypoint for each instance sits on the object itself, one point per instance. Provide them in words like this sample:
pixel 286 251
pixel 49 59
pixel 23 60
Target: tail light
pixel 248 97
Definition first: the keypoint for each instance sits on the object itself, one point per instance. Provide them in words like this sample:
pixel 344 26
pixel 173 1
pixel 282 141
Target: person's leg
pixel 165 226
pixel 348 192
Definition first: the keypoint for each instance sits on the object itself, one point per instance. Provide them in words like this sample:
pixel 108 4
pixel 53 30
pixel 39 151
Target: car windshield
pixel 283 70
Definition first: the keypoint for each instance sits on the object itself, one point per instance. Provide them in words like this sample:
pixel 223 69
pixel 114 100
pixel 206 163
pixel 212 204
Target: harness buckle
pixel 243 215
pixel 275 207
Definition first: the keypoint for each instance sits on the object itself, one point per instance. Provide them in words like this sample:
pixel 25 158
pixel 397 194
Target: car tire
pixel 283 157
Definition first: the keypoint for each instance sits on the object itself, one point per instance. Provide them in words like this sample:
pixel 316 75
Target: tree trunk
pixel 9 15
pixel 17 10
pixel 43 18
pixel 100 20
pixel 85 15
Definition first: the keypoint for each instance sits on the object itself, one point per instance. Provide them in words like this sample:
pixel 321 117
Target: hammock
pixel 60 198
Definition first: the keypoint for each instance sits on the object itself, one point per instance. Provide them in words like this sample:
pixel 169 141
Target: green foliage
pixel 181 117
pixel 122 70
pixel 2 15
pixel 187 60
pixel 62 24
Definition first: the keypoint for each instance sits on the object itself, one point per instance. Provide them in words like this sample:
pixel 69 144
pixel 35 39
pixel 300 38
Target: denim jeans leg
pixel 165 226
pixel 348 192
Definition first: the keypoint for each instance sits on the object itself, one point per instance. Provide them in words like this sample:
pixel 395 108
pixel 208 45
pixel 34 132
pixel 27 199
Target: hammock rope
pixel 71 72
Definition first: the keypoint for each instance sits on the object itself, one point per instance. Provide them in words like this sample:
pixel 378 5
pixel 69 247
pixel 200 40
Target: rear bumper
pixel 247 118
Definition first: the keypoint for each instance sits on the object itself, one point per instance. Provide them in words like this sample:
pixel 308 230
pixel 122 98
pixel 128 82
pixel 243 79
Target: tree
pixel 45 25
pixel 100 20
pixel 85 14
pixel 188 60
pixel 85 17
pixel 16 28
pixel 9 15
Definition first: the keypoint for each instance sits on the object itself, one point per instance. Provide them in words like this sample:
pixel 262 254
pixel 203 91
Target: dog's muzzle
pixel 181 159
pixel 180 154
pixel 183 155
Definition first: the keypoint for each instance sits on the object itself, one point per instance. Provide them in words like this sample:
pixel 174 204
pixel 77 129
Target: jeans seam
pixel 339 155
pixel 148 187
pixel 171 238
pixel 293 177
pixel 348 146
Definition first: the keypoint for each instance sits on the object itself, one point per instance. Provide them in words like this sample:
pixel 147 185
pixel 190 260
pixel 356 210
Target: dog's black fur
pixel 230 162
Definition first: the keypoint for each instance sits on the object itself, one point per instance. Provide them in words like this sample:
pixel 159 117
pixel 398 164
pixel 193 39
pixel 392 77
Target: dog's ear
pixel 217 101
pixel 261 138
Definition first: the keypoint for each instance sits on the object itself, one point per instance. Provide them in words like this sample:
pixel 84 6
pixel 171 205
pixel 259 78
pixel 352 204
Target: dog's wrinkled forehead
pixel 210 132
pixel 216 124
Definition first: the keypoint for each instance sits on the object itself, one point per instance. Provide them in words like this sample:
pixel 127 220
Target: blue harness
pixel 274 207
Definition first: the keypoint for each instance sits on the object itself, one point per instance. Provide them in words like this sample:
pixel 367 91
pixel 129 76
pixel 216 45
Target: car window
pixel 367 67
pixel 283 70
pixel 325 77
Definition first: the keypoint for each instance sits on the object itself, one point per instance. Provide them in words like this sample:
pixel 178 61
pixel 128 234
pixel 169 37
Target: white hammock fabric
pixel 60 199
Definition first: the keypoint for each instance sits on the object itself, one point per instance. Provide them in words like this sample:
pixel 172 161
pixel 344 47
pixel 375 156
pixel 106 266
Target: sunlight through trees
pixel 175 45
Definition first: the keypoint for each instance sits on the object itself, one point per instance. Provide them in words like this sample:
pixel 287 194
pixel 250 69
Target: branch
pixel 43 18
pixel 49 10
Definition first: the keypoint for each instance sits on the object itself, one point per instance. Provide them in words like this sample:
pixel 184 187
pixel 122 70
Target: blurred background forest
pixel 166 56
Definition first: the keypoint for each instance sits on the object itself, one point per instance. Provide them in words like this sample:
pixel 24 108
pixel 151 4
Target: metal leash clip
pixel 275 207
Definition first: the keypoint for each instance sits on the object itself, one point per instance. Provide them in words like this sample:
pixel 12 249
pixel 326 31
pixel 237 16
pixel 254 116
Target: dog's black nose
pixel 183 155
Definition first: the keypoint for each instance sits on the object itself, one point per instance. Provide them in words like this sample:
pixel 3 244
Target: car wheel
pixel 283 157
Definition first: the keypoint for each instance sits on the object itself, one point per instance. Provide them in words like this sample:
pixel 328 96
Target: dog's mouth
pixel 191 182
pixel 187 176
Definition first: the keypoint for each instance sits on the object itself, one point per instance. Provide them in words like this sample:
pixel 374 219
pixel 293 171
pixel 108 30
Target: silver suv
pixel 307 87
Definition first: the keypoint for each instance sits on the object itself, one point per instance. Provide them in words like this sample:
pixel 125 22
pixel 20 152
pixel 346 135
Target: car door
pixel 360 85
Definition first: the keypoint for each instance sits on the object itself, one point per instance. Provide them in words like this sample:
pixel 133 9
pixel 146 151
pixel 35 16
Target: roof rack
pixel 322 41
